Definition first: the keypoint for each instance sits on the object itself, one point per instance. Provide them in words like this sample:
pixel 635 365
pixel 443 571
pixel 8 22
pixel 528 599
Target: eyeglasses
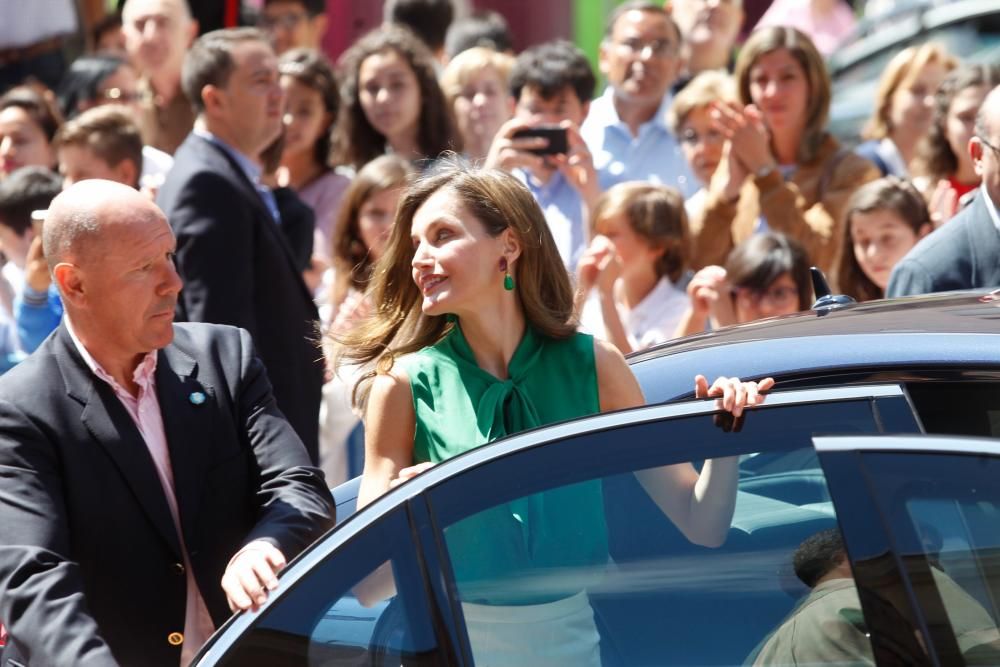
pixel 661 48
pixel 690 137
pixel 774 296
pixel 996 151
pixel 283 22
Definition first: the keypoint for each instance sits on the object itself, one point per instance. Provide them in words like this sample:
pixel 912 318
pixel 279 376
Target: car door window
pixel 942 512
pixel 569 531
pixel 958 408
pixel 332 618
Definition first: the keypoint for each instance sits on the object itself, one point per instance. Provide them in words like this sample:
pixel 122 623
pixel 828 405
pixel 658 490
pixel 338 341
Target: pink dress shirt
pixel 144 410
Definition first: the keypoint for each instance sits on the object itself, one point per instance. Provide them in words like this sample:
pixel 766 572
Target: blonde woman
pixel 904 107
pixel 782 170
pixel 475 83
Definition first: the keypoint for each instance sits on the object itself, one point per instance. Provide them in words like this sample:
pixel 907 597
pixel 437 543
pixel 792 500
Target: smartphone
pixel 558 143
pixel 37 220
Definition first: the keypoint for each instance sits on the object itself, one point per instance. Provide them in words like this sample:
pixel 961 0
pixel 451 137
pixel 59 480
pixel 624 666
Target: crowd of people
pixel 429 242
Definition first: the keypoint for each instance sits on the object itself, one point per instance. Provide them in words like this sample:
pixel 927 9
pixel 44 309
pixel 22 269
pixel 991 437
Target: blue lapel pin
pixel 196 398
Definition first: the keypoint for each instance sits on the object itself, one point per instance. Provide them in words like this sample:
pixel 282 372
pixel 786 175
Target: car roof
pixel 947 331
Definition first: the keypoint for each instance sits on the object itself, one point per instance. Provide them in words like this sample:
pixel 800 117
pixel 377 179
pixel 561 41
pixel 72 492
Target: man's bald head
pixel 85 216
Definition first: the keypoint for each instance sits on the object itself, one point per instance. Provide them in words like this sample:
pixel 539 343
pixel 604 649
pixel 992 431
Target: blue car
pixel 880 432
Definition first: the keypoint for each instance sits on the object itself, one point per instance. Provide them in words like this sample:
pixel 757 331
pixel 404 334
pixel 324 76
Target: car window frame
pixel 868 533
pixel 875 394
pixel 428 536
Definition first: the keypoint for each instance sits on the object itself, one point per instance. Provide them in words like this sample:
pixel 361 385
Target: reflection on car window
pixel 323 623
pixel 579 549
pixel 945 513
pixel 958 408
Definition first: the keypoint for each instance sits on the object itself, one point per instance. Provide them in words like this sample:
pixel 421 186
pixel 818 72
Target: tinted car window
pixel 944 513
pixel 958 408
pixel 327 621
pixel 571 519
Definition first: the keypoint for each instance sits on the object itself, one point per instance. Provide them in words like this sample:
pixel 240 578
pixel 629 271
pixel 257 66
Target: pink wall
pixel 531 21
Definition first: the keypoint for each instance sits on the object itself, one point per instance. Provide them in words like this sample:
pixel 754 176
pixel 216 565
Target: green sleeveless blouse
pixel 458 407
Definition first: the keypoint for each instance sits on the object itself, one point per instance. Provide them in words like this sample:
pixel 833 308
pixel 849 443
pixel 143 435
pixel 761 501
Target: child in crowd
pixel 102 142
pixel 29 121
pixel 391 102
pixel 943 169
pixel 362 229
pixel 311 105
pixel 363 225
pixel 884 220
pixel 633 266
pixel 765 276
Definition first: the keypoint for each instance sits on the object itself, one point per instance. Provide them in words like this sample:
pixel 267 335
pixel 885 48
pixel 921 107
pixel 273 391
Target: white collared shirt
pixel 653 320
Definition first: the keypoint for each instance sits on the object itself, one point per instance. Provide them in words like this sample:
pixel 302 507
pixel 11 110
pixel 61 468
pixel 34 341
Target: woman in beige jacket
pixel 781 170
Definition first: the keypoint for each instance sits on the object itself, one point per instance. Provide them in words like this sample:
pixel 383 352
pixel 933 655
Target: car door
pixel 657 597
pixel 921 522
pixel 575 515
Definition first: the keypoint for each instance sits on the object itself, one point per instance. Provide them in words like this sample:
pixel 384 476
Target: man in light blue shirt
pixel 626 129
pixel 552 84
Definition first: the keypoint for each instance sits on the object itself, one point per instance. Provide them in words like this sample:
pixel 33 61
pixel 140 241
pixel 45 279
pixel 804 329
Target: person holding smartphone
pixel 552 84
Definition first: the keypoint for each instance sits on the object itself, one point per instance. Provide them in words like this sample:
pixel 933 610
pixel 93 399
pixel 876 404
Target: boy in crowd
pixel 552 85
pixel 103 142
pixel 34 312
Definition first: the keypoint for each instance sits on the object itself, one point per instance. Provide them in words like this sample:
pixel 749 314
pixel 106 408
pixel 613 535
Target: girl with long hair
pixel 392 102
pixel 885 219
pixel 311 104
pixel 362 230
pixel 943 169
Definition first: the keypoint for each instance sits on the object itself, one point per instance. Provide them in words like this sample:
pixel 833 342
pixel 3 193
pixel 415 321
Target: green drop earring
pixel 508 280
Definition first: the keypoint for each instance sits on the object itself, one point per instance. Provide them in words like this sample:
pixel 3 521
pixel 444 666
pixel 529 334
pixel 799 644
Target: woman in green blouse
pixel 474 339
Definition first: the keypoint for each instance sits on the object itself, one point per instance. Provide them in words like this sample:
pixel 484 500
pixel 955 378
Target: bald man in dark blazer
pixel 150 484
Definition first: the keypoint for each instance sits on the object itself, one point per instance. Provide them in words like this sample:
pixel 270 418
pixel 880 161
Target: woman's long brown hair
pixel 398 326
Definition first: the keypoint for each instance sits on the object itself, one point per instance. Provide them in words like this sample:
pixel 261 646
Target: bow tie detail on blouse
pixel 504 408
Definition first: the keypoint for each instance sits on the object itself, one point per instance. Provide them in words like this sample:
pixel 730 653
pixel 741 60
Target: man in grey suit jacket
pixel 965 253
pixel 150 484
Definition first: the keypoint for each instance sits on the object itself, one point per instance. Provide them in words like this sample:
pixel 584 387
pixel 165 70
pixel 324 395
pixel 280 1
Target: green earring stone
pixel 508 282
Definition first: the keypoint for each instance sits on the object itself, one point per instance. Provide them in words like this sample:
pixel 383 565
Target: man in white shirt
pixel 626 129
pixel 551 85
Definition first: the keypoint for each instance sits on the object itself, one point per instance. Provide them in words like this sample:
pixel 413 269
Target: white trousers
pixel 554 634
